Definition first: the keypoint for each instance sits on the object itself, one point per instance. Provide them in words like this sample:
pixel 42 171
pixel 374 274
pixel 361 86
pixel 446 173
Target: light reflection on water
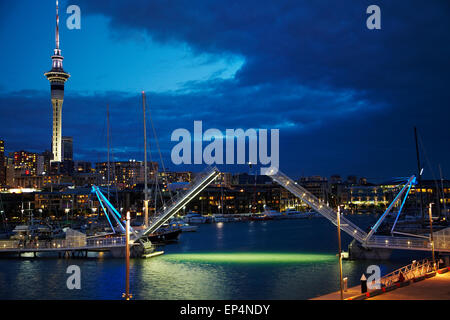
pixel 259 260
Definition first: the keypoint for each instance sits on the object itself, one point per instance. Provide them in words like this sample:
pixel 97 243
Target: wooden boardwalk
pixel 434 288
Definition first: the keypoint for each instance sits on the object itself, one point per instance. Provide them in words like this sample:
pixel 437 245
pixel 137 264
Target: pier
pixel 73 247
pixel 428 286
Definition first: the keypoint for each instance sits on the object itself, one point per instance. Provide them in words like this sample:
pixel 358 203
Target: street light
pixel 430 210
pixel 127 295
pixel 340 251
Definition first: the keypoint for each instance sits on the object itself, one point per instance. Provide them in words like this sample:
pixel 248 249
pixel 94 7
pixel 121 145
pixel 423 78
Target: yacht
pixel 294 214
pixel 24 232
pixel 185 227
pixel 273 214
pixel 194 217
pixel 223 218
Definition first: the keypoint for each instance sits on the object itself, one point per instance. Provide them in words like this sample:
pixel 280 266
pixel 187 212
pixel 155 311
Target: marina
pixel 278 259
pixel 212 153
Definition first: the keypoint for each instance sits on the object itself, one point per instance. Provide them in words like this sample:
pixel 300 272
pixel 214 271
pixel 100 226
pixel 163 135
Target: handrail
pixel 409 272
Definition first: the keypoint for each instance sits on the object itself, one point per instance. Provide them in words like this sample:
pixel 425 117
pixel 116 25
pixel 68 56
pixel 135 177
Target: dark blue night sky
pixel 345 98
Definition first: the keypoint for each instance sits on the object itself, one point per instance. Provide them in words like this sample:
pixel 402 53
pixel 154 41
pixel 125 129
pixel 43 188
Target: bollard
pixel 363 284
pixel 345 284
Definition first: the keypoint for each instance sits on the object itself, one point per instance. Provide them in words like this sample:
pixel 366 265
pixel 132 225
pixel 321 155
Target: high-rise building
pixel 48 156
pixel 10 172
pixel 28 163
pixel 57 78
pixel 67 148
pixel 2 163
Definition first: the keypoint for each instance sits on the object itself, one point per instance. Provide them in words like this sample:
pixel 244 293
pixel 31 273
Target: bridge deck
pixel 99 244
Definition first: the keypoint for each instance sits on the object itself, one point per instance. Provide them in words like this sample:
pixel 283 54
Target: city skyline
pixel 333 118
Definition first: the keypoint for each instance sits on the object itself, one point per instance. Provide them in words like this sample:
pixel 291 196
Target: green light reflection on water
pixel 250 258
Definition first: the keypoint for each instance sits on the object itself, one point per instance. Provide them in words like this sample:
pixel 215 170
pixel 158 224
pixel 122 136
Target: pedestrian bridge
pixel 368 240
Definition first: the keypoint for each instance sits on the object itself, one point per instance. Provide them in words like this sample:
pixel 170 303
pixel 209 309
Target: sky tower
pixel 57 78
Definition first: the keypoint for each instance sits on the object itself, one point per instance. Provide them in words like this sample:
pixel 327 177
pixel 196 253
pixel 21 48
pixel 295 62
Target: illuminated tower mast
pixel 57 77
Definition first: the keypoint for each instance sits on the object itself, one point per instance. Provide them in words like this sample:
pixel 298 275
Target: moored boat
pixel 194 217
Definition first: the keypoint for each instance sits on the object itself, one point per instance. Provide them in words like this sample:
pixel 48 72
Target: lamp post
pixel 340 251
pixel 430 210
pixel 127 295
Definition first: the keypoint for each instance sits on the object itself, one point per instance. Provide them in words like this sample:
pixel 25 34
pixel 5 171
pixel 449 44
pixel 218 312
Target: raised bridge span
pixel 177 203
pixel 368 240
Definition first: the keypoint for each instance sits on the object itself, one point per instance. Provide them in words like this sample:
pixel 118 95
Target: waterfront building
pixel 57 78
pixel 317 185
pixel 335 179
pixel 352 180
pixel 80 179
pixel 126 174
pixel 245 178
pixel 362 196
pixel 431 191
pixel 173 177
pixel 83 167
pixel 2 164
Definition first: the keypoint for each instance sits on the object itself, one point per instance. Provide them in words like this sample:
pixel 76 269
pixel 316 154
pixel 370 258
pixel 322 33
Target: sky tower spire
pixel 57 78
pixel 57 28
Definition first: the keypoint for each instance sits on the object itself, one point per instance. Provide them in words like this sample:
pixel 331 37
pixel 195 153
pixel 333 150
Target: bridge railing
pixel 179 201
pixel 398 243
pixel 409 272
pixel 319 206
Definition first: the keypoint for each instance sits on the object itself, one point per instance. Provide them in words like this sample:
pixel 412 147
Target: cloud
pixel 346 98
pixel 223 106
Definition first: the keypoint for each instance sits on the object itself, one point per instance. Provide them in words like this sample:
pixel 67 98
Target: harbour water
pixel 280 259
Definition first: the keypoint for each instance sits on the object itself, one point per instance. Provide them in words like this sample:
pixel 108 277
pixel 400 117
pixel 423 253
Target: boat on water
pixel 273 214
pixel 185 227
pixel 223 218
pixel 194 217
pixel 260 217
pixel 39 232
pixel 165 235
pixel 294 214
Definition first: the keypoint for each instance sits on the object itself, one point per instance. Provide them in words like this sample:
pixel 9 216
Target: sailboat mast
pixel 419 174
pixel 146 222
pixel 107 142
pixel 443 192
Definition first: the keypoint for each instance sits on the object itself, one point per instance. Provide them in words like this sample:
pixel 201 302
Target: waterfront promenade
pixel 434 288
